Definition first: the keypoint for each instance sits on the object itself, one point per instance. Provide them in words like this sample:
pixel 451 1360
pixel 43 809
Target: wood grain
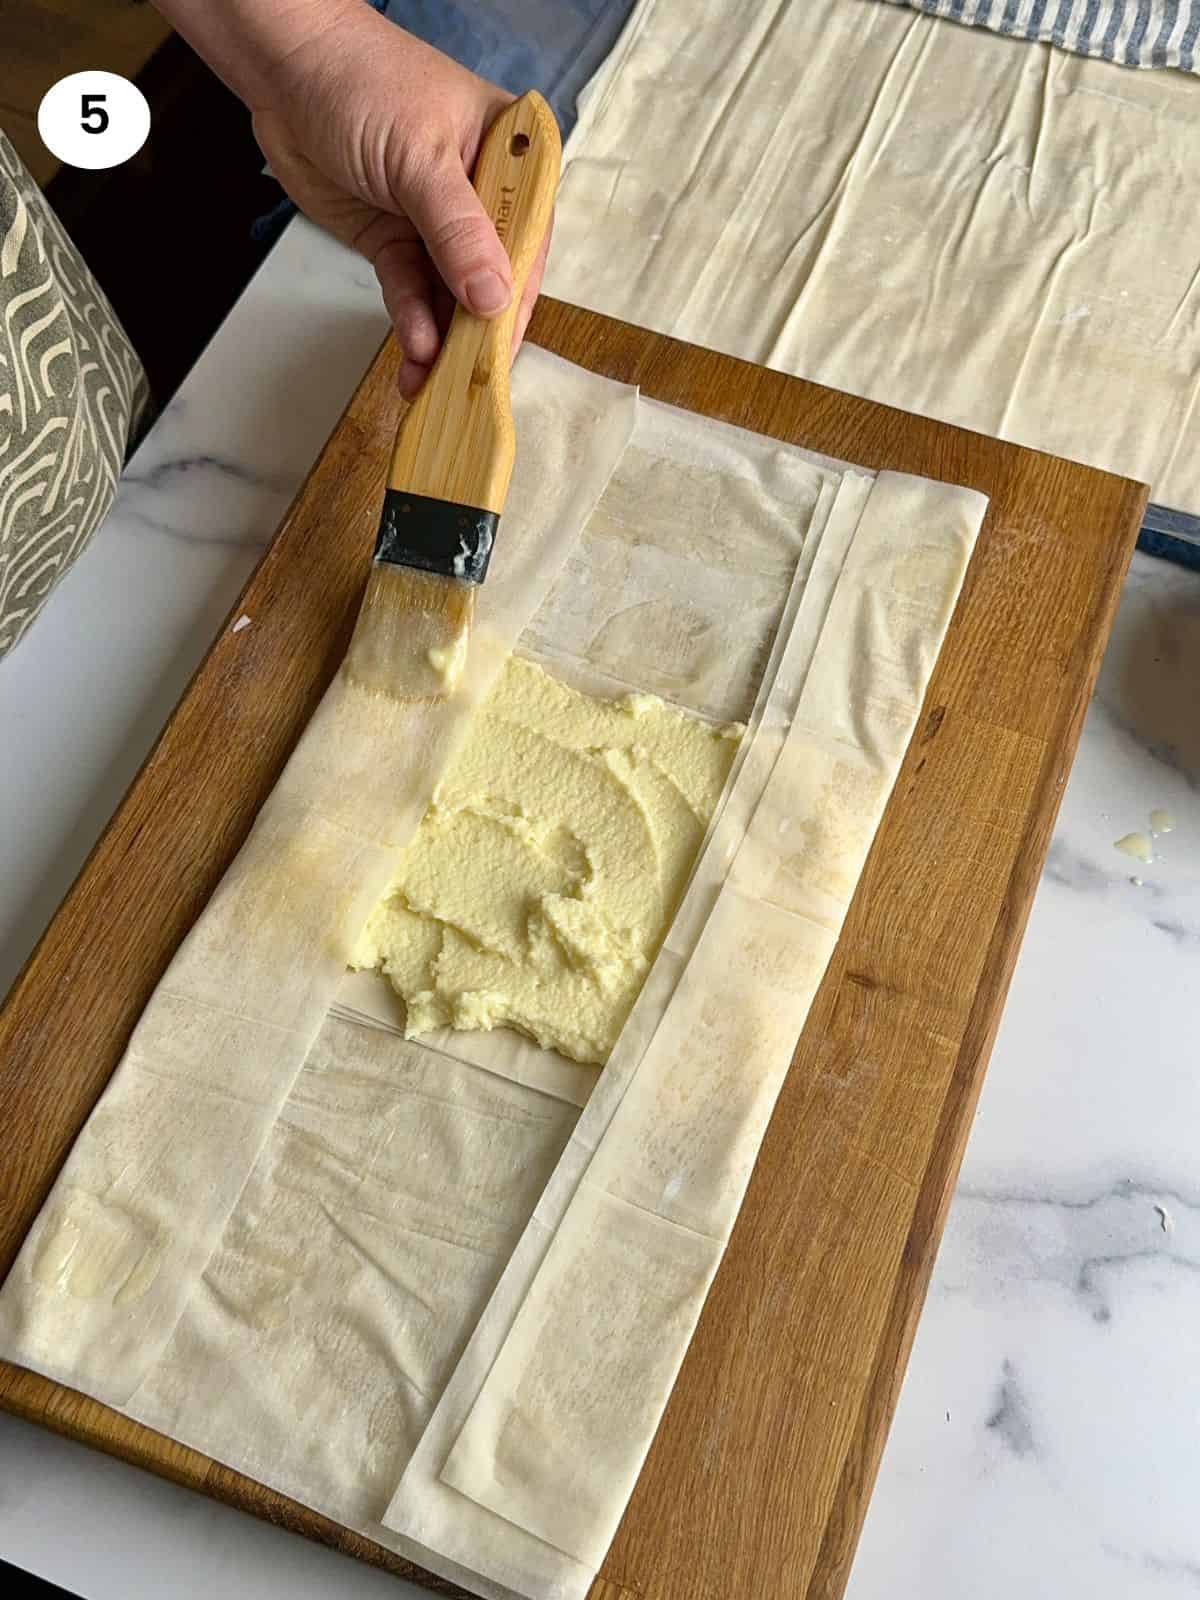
pixel 759 1477
pixel 457 440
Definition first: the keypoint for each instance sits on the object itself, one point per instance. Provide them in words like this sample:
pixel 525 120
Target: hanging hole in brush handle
pixel 516 177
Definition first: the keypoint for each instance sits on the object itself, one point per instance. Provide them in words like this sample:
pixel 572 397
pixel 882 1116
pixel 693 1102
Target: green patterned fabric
pixel 72 395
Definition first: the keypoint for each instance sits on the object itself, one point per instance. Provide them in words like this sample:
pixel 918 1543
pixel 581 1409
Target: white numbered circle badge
pixel 93 119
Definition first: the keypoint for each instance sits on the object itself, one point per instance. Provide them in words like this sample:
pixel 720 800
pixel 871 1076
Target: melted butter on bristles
pixel 412 635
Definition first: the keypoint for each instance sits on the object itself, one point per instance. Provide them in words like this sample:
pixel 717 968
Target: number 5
pixel 92 105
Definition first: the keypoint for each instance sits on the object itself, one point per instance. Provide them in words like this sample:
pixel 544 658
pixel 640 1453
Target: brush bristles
pixel 412 632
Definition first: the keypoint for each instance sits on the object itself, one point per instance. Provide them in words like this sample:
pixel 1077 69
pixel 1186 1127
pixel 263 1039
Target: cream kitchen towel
pixel 933 216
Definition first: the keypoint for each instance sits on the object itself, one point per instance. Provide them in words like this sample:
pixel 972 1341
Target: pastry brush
pixel 455 445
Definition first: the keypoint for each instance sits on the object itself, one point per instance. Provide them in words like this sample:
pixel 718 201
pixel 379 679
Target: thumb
pixel 461 240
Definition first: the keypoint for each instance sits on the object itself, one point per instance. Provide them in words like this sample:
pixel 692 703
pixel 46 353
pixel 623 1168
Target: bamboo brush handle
pixel 456 441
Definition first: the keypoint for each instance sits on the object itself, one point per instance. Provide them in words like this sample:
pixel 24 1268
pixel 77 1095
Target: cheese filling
pixel 541 882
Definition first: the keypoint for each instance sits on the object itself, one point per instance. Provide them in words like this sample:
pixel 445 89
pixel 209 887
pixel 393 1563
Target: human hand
pixel 374 134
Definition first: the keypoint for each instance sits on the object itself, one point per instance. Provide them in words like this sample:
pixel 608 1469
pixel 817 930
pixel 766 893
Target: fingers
pixel 420 305
pixel 421 272
pixel 531 290
pixel 404 280
pixel 391 244
pixel 459 236
pixel 402 268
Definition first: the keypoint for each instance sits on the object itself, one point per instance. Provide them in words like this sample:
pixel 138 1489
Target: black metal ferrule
pixel 436 535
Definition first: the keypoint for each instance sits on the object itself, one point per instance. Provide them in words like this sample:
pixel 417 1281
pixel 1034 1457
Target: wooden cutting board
pixel 758 1480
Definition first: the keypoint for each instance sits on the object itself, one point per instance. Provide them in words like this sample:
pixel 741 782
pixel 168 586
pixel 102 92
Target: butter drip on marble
pixel 543 879
pixel 1138 845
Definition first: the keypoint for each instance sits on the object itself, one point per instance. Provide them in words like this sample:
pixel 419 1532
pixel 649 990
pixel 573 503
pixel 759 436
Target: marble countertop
pixel 1046 1437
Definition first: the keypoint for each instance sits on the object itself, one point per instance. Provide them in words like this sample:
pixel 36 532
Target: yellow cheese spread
pixel 542 880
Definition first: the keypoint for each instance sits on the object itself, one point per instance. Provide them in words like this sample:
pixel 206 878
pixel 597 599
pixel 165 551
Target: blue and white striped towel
pixel 1133 33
